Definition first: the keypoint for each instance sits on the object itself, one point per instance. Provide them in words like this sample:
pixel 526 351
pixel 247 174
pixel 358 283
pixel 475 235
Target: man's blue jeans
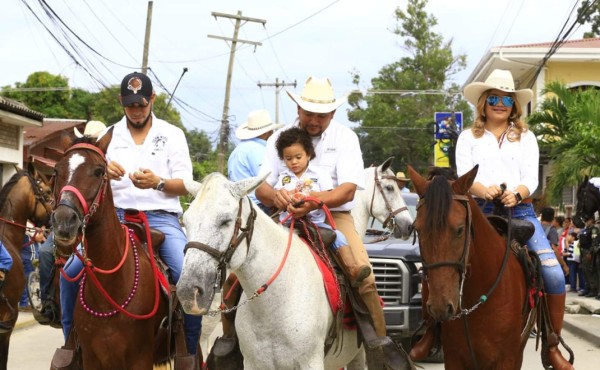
pixel 171 252
pixel 6 260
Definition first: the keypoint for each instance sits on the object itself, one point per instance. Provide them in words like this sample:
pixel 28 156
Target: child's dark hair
pixel 295 135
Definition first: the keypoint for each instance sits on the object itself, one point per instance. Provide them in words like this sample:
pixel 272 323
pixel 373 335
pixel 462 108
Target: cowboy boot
pixel 393 355
pixel 5 326
pixel 355 273
pixel 556 308
pixel 423 347
pixel 225 353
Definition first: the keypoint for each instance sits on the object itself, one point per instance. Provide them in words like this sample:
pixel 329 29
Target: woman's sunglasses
pixel 507 101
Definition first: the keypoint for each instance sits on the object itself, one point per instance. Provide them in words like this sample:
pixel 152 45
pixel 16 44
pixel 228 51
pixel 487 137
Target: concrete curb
pixel 24 320
pixel 586 327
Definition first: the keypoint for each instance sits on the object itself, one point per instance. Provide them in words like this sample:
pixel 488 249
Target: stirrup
pixel 63 359
pixel 224 346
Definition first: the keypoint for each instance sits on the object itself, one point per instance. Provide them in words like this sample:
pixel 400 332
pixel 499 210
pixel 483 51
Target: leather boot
pixel 355 273
pixel 423 347
pixel 556 308
pixel 225 353
pixel 5 326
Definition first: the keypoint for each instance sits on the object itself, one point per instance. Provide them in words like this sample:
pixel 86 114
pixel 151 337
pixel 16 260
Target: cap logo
pixel 134 84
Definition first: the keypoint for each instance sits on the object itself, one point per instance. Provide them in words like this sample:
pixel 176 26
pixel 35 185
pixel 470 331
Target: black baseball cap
pixel 136 88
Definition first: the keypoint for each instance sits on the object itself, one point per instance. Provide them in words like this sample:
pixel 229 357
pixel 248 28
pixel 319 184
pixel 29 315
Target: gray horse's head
pixel 210 225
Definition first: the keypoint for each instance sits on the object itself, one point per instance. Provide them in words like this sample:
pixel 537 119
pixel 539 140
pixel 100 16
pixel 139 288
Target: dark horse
pixel 477 289
pixel 588 202
pixel 26 196
pixel 120 308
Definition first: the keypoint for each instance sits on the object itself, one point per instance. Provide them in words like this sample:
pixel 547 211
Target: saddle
pixel 520 230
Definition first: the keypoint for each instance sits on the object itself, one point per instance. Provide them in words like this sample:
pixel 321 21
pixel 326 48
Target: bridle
pixel 47 201
pixel 88 211
pixel 239 235
pixel 460 265
pixel 391 212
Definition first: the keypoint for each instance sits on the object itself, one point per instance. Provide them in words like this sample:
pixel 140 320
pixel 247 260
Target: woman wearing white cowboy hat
pixel 507 154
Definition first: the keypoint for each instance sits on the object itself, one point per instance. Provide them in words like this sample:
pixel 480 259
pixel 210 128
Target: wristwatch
pixel 518 197
pixel 161 185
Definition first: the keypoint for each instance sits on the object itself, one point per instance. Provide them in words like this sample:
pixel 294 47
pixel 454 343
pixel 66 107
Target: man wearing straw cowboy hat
pixel 92 129
pixel 338 152
pixel 402 180
pixel 245 160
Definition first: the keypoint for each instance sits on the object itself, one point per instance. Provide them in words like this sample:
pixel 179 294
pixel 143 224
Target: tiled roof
pixel 19 108
pixel 581 43
pixel 33 135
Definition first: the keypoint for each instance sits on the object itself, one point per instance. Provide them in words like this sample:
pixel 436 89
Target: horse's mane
pixel 438 198
pixel 7 188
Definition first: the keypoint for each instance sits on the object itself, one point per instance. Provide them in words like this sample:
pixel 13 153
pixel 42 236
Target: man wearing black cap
pixel 148 158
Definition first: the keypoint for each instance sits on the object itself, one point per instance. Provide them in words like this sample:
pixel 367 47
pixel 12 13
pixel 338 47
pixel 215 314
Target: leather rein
pixel 391 212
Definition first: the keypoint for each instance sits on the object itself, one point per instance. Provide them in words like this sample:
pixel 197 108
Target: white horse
pixel 382 199
pixel 284 328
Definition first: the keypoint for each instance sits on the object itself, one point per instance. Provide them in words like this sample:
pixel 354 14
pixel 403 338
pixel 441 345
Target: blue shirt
pixel 245 160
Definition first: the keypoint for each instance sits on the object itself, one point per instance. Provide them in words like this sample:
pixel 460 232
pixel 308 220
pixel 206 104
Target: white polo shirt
pixel 337 152
pixel 319 180
pixel 165 152
pixel 514 163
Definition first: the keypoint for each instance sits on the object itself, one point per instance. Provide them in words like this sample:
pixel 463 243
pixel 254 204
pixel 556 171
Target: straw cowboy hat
pixel 259 122
pixel 317 96
pixel 401 176
pixel 499 79
pixel 92 128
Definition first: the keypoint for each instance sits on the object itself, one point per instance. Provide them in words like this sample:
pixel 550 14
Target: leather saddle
pixel 520 230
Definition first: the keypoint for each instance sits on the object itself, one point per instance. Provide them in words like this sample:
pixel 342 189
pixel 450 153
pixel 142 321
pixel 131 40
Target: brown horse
pixel 26 196
pixel 477 287
pixel 120 308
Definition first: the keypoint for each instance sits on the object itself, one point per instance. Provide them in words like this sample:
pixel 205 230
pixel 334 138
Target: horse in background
pixel 588 202
pixel 382 199
pixel 477 287
pixel 120 315
pixel 26 196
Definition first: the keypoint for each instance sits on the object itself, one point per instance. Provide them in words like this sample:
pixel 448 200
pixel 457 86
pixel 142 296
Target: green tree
pixel 396 119
pixel 52 103
pixel 589 13
pixel 568 125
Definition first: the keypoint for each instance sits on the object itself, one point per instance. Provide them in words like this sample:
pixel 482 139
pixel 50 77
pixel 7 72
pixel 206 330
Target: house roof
pixel 523 60
pixel 19 108
pixel 35 135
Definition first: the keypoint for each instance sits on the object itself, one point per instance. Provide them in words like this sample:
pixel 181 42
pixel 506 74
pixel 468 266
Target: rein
pixel 391 211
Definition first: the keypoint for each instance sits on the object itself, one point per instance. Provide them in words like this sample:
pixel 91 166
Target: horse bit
pixel 391 213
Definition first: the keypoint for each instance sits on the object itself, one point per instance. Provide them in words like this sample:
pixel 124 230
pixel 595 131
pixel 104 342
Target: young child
pixel 294 146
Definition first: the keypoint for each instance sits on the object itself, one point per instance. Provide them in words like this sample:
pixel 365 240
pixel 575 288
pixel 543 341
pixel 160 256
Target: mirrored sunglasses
pixel 507 101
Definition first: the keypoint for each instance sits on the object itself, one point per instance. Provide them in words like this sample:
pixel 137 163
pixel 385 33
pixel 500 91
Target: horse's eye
pixel 460 231
pixel 389 188
pixel 225 222
pixel 99 172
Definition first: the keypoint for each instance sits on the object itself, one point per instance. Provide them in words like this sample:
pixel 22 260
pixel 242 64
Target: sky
pixel 301 38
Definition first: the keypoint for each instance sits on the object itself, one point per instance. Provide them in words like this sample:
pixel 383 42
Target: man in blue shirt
pixel 245 160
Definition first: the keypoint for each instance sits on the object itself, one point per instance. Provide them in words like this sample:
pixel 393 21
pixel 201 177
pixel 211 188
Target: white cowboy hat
pixel 259 122
pixel 401 176
pixel 317 96
pixel 499 79
pixel 92 128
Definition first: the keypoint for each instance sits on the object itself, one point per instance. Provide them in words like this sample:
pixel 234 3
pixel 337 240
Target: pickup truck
pixel 395 265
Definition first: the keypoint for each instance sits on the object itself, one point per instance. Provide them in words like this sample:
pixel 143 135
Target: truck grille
pixel 388 278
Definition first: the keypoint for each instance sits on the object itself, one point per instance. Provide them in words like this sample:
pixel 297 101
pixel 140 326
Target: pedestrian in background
pixel 245 160
pixel 572 254
pixel 34 237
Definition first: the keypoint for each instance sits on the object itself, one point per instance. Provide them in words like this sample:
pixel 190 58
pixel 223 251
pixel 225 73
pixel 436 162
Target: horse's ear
pixel 464 183
pixel 418 181
pixel 386 164
pixel 192 186
pixel 104 140
pixel 242 188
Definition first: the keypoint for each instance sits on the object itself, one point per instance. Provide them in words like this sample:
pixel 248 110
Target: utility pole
pixel 224 131
pixel 278 85
pixel 147 39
